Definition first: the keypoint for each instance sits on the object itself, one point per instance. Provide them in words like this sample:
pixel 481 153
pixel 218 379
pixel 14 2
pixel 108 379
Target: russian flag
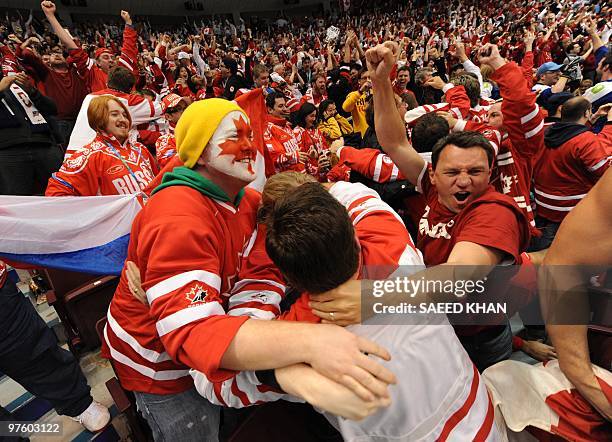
pixel 81 234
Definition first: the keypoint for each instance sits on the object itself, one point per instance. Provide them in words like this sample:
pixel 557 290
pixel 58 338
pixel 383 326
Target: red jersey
pixel 524 142
pixel 185 325
pixel 282 145
pixel 104 167
pixel 312 140
pixel 66 89
pixel 312 98
pixel 165 149
pixel 573 161
pixel 385 245
pixel 96 78
pixel 492 220
pixel 142 110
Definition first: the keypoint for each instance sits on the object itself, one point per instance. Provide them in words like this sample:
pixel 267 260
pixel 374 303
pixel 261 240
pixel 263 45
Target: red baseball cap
pixel 170 101
pixel 101 51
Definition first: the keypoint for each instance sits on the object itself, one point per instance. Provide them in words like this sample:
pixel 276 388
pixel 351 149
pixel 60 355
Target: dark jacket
pixel 17 127
pixel 234 83
pixel 560 133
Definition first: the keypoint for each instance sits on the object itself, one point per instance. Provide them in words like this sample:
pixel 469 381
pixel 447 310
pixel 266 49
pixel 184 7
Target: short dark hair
pixel 358 67
pixel 428 130
pixel 607 61
pixel 403 68
pixel 300 116
pixel 121 79
pixel 471 86
pixel 323 108
pixel 574 109
pixel 463 140
pixel 311 239
pixel 272 97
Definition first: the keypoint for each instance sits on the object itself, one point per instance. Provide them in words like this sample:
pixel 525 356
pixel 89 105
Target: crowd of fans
pixel 112 108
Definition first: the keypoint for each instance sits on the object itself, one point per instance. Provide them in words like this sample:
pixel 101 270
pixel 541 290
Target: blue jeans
pixel 489 346
pixel 183 417
pixel 549 231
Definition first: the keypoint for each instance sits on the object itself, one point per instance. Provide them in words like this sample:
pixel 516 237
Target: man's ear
pixel 432 175
pixel 201 162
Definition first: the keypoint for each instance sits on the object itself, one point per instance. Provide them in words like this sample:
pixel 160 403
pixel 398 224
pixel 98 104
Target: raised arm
pixel 129 48
pixel 592 30
pixel 197 58
pixel 48 8
pixel 522 116
pixel 391 131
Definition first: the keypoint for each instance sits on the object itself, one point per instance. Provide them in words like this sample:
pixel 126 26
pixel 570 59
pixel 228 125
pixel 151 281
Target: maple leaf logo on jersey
pixel 197 294
pixel 261 297
pixel 234 147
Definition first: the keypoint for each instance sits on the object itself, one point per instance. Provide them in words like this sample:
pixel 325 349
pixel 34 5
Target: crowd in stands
pixel 468 131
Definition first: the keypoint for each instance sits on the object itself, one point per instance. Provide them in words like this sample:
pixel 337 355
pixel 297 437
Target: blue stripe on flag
pixel 32 410
pixel 107 259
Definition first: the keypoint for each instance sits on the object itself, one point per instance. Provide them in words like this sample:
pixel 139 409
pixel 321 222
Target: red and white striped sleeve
pixel 458 100
pixel 129 50
pixel 182 286
pixel 257 294
pixel 384 240
pixel 242 390
pixel 595 151
pixel 523 118
pixel 260 287
pixel 371 163
pixel 10 65
pixel 143 110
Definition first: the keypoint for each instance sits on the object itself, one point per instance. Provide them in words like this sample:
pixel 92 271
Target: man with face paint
pixel 187 242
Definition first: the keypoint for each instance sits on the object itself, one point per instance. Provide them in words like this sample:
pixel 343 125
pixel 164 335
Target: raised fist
pixel 436 83
pixel 489 54
pixel 126 17
pixel 380 60
pixel 48 7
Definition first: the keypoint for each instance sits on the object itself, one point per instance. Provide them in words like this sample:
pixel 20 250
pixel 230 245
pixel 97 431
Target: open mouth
pixel 246 159
pixel 462 197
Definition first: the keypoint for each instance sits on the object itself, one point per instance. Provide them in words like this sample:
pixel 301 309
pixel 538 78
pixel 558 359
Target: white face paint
pixel 231 150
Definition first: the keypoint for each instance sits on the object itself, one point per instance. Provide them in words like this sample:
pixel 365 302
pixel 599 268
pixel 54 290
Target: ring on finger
pixel 332 316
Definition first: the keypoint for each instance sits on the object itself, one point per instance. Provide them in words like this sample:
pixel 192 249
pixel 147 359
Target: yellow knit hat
pixel 197 125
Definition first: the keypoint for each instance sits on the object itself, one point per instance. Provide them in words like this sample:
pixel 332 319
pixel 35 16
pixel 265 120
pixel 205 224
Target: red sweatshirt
pixel 67 89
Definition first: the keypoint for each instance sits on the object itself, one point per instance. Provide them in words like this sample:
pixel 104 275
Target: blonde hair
pixel 276 186
pixel 97 112
pixel 486 71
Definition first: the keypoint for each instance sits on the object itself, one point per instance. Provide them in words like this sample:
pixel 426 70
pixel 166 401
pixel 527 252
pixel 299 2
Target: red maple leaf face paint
pixel 241 147
pixel 231 148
